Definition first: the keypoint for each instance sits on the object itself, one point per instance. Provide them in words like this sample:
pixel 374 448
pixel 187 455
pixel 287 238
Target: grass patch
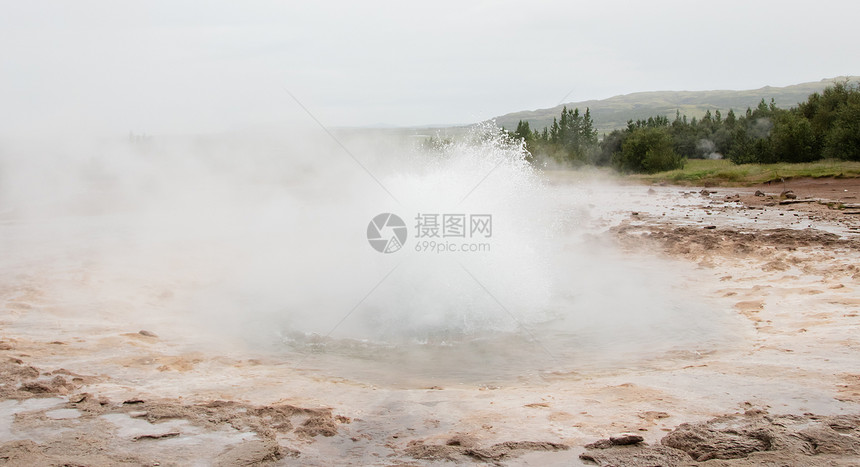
pixel 723 172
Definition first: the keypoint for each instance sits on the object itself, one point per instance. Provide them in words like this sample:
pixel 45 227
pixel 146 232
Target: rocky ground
pixel 751 438
pixel 809 264
pixel 786 266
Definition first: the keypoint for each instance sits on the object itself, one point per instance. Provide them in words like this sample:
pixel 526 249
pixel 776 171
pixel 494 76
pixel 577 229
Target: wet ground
pixel 727 303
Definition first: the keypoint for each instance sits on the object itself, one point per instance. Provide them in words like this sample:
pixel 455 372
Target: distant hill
pixel 612 113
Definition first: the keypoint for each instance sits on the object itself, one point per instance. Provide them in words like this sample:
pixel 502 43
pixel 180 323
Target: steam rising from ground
pixel 260 238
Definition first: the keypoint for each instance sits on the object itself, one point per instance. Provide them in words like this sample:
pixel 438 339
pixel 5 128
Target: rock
pixel 419 450
pixel 738 436
pixel 459 453
pixel 510 449
pixel 36 387
pixel 462 439
pixel 254 452
pixel 24 452
pixel 705 192
pixel 759 193
pixel 147 333
pixel 710 227
pixel 624 439
pixel 796 201
pixel 752 438
pixel 637 455
pixel 63 414
pixel 651 191
pixel 703 443
pixel 318 425
pixel 787 194
pixel 653 415
pixel 170 434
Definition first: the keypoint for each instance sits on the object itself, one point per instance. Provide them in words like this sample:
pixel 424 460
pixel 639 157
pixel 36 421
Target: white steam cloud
pixel 259 239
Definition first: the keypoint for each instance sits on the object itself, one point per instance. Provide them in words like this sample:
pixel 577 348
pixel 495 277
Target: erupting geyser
pixel 263 241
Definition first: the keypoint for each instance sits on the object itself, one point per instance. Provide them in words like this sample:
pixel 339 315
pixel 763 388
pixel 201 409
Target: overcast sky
pixel 180 66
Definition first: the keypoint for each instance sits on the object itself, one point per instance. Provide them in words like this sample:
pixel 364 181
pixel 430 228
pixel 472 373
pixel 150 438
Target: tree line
pixel 827 125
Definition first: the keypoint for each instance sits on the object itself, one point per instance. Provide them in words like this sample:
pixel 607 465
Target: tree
pixel 570 139
pixel 792 139
pixel 742 150
pixel 554 130
pixel 610 145
pixel 647 149
pixel 835 119
pixel 842 140
pixel 523 130
pixel 762 110
pixel 683 137
pixel 524 133
pixel 731 120
pixel 826 125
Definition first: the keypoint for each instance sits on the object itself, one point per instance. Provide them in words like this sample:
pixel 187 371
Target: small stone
pixel 36 387
pixel 171 434
pixel 759 193
pixel 63 414
pixel 625 438
pixel 147 333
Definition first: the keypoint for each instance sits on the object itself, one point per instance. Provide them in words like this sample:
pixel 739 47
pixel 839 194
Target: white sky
pixel 182 66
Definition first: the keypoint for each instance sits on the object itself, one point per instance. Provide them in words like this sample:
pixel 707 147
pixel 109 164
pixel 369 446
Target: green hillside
pixel 612 113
